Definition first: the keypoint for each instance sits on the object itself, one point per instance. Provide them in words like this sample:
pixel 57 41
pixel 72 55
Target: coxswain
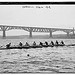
pixel 20 44
pixel 46 42
pixel 8 45
pixel 34 43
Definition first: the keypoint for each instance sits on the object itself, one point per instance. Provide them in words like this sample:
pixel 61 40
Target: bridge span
pixel 5 28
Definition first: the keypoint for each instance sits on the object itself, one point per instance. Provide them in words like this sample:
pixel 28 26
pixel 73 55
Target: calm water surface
pixel 41 60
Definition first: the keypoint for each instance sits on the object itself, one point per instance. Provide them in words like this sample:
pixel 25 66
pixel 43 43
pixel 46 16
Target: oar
pixel 71 45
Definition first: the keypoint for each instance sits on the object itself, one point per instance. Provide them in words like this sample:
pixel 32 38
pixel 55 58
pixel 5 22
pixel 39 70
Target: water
pixel 41 60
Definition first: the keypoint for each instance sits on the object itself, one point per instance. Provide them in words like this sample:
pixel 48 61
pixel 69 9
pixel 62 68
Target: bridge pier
pixel 73 30
pixel 67 34
pixel 4 35
pixel 30 34
pixel 50 33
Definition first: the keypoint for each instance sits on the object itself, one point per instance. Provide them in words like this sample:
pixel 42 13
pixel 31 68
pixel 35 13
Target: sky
pixel 57 16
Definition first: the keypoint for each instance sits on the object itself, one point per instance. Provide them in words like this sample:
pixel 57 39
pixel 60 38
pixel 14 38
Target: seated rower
pixel 62 43
pixel 27 44
pixel 8 45
pixel 20 44
pixel 41 43
pixel 52 43
pixel 56 43
pixel 34 43
pixel 46 42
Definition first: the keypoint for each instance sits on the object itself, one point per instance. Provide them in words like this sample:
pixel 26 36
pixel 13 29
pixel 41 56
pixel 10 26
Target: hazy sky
pixel 62 16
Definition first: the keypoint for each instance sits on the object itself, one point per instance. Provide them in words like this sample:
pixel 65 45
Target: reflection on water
pixel 48 60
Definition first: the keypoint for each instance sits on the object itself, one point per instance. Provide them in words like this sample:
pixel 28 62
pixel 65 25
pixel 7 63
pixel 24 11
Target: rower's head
pixel 34 41
pixel 61 41
pixel 51 41
pixel 20 41
pixel 40 42
pixel 9 43
pixel 45 41
pixel 56 41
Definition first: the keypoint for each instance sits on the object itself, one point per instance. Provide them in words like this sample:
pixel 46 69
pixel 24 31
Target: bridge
pixel 5 28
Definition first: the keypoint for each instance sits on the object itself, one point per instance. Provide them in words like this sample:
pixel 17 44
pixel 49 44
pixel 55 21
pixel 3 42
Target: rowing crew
pixel 41 44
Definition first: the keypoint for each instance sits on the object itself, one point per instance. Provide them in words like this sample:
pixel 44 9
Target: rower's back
pixel 27 44
pixel 20 44
pixel 52 43
pixel 46 42
pixel 56 42
pixel 62 42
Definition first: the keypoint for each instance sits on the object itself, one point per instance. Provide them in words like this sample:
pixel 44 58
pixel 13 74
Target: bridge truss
pixel 5 28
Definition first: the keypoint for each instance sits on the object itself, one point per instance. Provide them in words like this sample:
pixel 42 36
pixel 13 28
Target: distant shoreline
pixel 60 36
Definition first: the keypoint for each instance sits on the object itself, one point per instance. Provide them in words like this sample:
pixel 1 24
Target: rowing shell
pixel 37 46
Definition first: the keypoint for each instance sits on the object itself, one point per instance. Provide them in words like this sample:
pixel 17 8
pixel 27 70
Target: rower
pixel 26 44
pixel 56 42
pixel 34 43
pixel 20 44
pixel 52 43
pixel 62 42
pixel 8 45
pixel 46 42
pixel 41 43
